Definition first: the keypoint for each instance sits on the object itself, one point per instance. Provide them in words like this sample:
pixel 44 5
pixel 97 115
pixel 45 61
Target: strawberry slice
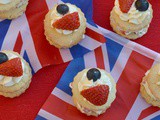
pixel 68 22
pixel 125 5
pixel 12 68
pixel 97 95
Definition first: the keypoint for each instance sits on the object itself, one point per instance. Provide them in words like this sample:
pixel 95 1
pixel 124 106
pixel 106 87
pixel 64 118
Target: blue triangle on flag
pixel 156 118
pixel 40 118
pixel 113 49
pixel 25 56
pixel 78 51
pixel 4 25
pixel 71 71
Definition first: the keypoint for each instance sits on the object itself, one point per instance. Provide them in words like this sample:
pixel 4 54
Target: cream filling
pixel 89 111
pixel 133 16
pixel 138 33
pixel 5 1
pixel 55 16
pixel 9 81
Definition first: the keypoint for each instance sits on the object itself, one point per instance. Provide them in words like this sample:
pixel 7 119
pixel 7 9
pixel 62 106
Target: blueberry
pixel 94 74
pixel 3 57
pixel 142 5
pixel 62 9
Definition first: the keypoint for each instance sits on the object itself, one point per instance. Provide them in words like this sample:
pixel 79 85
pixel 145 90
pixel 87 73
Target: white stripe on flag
pixel 66 54
pixel 51 3
pixel 12 33
pixel 29 45
pixel 47 115
pixel 121 61
pixel 105 56
pixel 146 52
pixel 138 106
pixel 152 116
pixel 94 28
pixel 22 50
pixel 90 60
pixel 89 43
pixel 62 95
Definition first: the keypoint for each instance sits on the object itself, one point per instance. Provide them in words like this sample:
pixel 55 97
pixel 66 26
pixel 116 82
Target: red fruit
pixel 125 5
pixel 123 32
pixel 97 95
pixel 12 68
pixel 68 22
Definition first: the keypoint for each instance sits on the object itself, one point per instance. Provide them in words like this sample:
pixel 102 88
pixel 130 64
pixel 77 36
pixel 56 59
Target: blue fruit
pixel 94 74
pixel 3 57
pixel 62 9
pixel 142 5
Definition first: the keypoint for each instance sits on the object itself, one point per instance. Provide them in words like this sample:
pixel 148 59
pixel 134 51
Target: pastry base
pixel 60 40
pixel 120 26
pixel 20 87
pixel 14 12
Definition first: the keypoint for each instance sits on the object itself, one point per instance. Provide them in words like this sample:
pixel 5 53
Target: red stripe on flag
pixel 99 58
pixel 63 110
pixel 18 44
pixel 128 86
pixel 47 53
pixel 148 112
pixel 96 36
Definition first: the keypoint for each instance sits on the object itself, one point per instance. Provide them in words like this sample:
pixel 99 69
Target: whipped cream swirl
pixel 55 16
pixel 9 81
pixel 84 83
pixel 133 16
pixel 88 111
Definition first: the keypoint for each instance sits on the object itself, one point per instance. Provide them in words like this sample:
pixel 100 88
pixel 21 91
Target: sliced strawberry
pixel 97 95
pixel 11 68
pixel 68 22
pixel 125 5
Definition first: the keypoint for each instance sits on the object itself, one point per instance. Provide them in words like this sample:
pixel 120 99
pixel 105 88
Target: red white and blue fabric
pixel 26 35
pixel 127 62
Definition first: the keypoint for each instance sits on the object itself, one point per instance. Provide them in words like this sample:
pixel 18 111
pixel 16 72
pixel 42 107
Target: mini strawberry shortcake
pixel 93 91
pixel 15 74
pixel 64 25
pixel 131 18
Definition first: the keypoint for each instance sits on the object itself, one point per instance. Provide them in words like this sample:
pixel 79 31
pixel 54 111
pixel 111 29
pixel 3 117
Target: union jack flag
pixel 26 36
pixel 125 60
